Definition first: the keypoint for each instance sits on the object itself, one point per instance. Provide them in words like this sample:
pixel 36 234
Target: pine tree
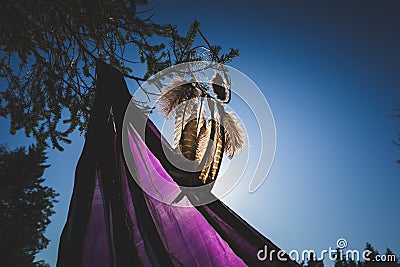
pixel 25 206
pixel 49 49
pixel 314 262
pixel 371 256
pixel 389 261
pixel 341 260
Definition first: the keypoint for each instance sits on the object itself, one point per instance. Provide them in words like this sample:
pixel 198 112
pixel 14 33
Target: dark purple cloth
pixel 113 222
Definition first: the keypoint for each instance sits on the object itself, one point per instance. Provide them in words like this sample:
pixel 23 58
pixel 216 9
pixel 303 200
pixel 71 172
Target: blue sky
pixel 331 74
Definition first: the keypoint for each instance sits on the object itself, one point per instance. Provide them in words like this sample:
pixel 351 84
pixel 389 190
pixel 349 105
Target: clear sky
pixel 331 73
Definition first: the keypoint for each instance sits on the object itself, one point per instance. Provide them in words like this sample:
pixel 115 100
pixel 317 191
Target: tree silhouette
pixel 370 262
pixel 313 262
pixel 374 259
pixel 25 205
pixel 48 51
pixel 341 260
pixel 388 262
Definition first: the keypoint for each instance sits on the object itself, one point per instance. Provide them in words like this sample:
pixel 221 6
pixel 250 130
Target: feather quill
pixel 201 115
pixel 234 134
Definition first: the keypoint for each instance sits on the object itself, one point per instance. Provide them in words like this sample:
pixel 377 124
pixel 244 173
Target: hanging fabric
pixel 113 223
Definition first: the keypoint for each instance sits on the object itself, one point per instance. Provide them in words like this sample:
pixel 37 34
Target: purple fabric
pixel 186 235
pixel 96 244
pixel 127 197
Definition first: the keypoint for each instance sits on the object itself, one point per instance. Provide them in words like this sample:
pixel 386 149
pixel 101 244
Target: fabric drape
pixel 113 222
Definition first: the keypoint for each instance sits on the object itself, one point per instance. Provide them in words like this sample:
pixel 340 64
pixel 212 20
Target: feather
pixel 178 126
pixel 204 173
pixel 234 135
pixel 207 158
pixel 188 141
pixel 174 94
pixel 211 106
pixel 185 112
pixel 202 142
pixel 218 154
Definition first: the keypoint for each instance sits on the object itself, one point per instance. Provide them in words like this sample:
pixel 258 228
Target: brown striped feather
pixel 188 141
pixel 209 153
pixel 184 113
pixel 202 141
pixel 218 154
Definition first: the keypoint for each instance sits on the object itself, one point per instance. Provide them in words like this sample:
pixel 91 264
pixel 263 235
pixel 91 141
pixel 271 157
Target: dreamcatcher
pixel 204 130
